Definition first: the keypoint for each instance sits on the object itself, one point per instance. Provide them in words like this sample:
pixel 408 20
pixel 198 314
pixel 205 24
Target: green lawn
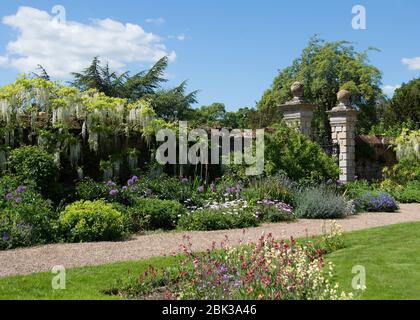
pixel 391 256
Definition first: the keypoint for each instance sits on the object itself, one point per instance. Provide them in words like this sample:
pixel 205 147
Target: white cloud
pixel 180 37
pixel 389 89
pixel 157 21
pixel 412 63
pixel 62 48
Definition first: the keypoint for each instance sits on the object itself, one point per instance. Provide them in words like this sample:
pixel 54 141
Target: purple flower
pixel 113 192
pixel 18 199
pixel 20 189
pixel 5 237
pixel 200 189
pixel 130 182
pixel 9 196
pixel 184 180
pixel 124 188
pixel 110 183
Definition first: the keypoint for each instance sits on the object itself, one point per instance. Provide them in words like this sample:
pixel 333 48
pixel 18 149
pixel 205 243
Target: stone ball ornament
pixel 343 97
pixel 297 89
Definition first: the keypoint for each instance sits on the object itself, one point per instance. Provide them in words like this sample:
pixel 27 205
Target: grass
pixel 391 257
pixel 389 254
pixel 86 283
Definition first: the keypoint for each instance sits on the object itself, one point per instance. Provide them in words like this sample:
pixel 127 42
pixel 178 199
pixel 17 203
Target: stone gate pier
pixel 343 127
pixel 298 112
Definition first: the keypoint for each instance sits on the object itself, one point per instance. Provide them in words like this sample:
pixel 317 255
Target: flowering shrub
pixel 332 239
pixel 271 187
pixel 274 211
pixel 322 203
pixel 152 214
pixel 25 218
pixel 376 202
pixel 34 164
pixel 88 189
pixel 127 194
pixel 216 216
pixel 91 221
pixel 266 270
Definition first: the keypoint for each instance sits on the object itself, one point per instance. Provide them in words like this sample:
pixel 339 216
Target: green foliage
pixel 406 102
pixel 358 188
pixel 408 153
pixel 152 214
pixel 212 116
pixel 332 239
pixel 33 163
pixel 290 152
pixel 25 217
pixel 174 188
pixel 171 104
pixel 168 103
pixel 91 221
pixel 407 193
pixel 273 211
pixel 324 68
pixel 270 187
pixel 410 193
pixel 88 189
pixel 391 128
pixel 376 202
pixel 209 219
pixel 322 203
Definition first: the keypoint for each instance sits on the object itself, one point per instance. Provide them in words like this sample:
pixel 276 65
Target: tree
pixel 287 151
pixel 324 68
pixel 406 102
pixel 170 104
pixel 212 116
pixel 42 73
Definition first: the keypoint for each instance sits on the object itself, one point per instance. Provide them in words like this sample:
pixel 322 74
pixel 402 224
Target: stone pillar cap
pixel 343 97
pixel 298 102
pixel 297 89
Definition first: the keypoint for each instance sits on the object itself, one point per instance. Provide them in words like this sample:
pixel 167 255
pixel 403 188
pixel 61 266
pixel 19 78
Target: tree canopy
pixel 147 84
pixel 406 102
pixel 324 68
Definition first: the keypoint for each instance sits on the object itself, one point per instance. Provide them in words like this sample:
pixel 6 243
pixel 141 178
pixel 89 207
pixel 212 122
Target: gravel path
pixel 43 258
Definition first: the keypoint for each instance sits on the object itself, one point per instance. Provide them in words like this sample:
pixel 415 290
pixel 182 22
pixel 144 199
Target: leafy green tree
pixel 406 102
pixel 243 118
pixel 324 68
pixel 289 152
pixel 171 103
pixel 212 116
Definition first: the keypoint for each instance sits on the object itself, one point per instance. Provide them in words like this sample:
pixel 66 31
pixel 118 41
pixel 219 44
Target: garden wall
pixel 373 153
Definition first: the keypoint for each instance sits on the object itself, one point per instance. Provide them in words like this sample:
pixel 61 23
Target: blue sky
pixel 229 50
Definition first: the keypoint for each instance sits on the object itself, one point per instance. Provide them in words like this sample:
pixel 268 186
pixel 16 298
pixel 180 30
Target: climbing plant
pixel 68 123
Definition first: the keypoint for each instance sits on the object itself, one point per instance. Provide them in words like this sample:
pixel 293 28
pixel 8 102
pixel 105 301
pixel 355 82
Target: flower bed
pixel 376 202
pixel 268 269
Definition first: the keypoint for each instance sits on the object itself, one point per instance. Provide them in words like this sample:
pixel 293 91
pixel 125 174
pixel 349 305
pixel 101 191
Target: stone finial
pixel 297 89
pixel 343 97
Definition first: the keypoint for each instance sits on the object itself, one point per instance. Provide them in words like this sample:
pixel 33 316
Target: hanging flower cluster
pixel 50 112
